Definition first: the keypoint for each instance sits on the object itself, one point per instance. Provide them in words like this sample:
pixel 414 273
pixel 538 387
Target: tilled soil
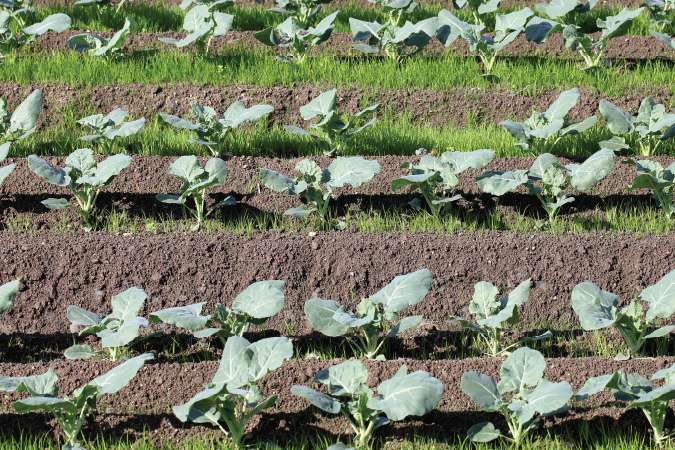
pixel 340 44
pixel 145 404
pixel 177 269
pixel 434 108
pixel 133 192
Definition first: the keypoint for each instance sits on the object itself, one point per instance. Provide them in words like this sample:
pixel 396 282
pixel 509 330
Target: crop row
pixel 233 397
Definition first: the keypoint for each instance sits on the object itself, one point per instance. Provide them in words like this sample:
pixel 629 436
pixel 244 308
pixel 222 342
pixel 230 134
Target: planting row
pixel 396 39
pixel 376 318
pixel 233 398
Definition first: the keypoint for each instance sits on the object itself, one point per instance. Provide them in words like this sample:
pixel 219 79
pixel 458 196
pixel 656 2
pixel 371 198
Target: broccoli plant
pixel 592 50
pixel 403 395
pixel 522 370
pixel 660 14
pixel 304 12
pixel 195 183
pixel 479 8
pixel 18 7
pixel 70 412
pixel 332 133
pixel 22 122
pixel 292 36
pixel 212 133
pixel 542 131
pixel 396 42
pixel 492 314
pixel 8 293
pixel 598 309
pixel 202 21
pixel 109 128
pixel 396 10
pixel 9 168
pixel 118 331
pixel 432 171
pixel 652 176
pixel 554 179
pixel 233 397
pixel 9 41
pixel 101 47
pixel 332 319
pixel 254 306
pixel 353 171
pixel 84 178
pixel 646 128
pixel 507 29
pixel 638 392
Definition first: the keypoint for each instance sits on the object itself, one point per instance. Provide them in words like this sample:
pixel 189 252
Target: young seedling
pixel 406 394
pixel 254 306
pixel 84 178
pixel 202 21
pixel 554 179
pixel 332 319
pixel 212 133
pixel 292 37
pixel 652 176
pixel 310 185
pixel 9 41
pixel 332 133
pixel 492 315
pixel 110 127
pixel 8 293
pixel 396 42
pixel 507 29
pixel 541 132
pixel 118 331
pixel 107 48
pixel 598 309
pixel 195 183
pixel 592 50
pixel 233 397
pixel 521 371
pixel 638 392
pixel 22 122
pixel 397 10
pixel 70 412
pixel 431 171
pixel 646 128
pixel 304 12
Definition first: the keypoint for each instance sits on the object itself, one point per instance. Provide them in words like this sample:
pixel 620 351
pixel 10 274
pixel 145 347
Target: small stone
pixel 315 245
pixel 421 152
pixel 159 381
pixel 309 372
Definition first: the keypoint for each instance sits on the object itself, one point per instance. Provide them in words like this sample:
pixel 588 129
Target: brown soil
pixel 364 3
pixel 145 405
pixel 423 106
pixel 340 44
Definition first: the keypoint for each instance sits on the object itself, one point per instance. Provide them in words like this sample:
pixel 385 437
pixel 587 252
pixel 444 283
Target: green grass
pixel 152 19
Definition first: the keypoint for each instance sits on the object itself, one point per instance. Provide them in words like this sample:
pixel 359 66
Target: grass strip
pixel 260 68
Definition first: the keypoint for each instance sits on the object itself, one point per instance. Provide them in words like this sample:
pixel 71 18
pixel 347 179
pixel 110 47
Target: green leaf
pixel 594 169
pixel 514 21
pixel 404 291
pixel 82 160
pixel 482 389
pixel 79 316
pixel 462 161
pixel 353 171
pixel 280 183
pixel 320 314
pixel 168 119
pixel 266 355
pixel 320 106
pixel 661 297
pixel 216 167
pixel 663 394
pixel 237 113
pixel 188 317
pixel 127 304
pixel 48 172
pixel 262 299
pixel 593 386
pixel 499 183
pixel 483 432
pixel 186 168
pixel 596 308
pixel 523 368
pixel 47 403
pixel 449 27
pixel 8 292
pixel 117 378
pixel 203 399
pixel 404 324
pixel 414 394
pixel 483 303
pixel 55 22
pixel 79 352
pixel 230 363
pixel 118 39
pixel 618 120
pixel 55 203
pixel 348 378
pixel 36 385
pixel 124 335
pixel 321 401
pixel 548 397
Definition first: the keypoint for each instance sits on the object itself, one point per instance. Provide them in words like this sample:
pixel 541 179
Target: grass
pixel 160 18
pixel 259 68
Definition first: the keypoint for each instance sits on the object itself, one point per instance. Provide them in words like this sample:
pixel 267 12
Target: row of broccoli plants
pixel 375 319
pixel 233 396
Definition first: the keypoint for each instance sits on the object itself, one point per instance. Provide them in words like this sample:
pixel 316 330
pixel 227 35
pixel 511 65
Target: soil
pixel 339 43
pixel 145 404
pixel 432 108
